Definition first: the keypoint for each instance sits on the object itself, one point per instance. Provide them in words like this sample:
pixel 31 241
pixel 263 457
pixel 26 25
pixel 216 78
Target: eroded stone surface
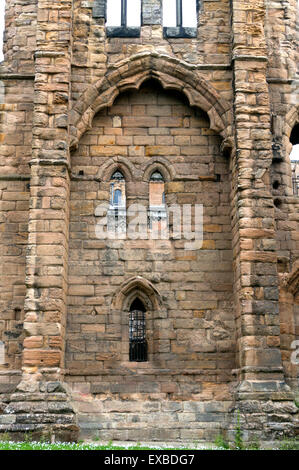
pixel 214 115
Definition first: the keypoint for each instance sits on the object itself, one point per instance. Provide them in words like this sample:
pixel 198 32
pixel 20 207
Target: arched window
pixel 180 18
pixel 117 190
pixel 123 18
pixel 117 210
pixel 117 197
pixel 137 332
pixel 157 214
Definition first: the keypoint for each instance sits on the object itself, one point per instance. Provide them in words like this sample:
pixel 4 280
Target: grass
pixel 291 444
pixel 9 445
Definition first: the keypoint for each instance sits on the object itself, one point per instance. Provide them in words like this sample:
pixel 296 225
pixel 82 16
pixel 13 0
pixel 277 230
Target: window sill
pixel 121 32
pixel 179 32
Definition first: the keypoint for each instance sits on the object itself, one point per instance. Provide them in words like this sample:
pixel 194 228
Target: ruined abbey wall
pixel 213 113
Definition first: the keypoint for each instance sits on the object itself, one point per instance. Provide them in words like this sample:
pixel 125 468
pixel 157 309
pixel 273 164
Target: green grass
pixel 220 444
pixel 8 445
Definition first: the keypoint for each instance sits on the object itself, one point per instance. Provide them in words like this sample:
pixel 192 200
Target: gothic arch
pixel 112 164
pixel 292 281
pixel 130 73
pixel 162 165
pixel 291 119
pixel 135 287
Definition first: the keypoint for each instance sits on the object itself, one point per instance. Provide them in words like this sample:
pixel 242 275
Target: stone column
pixel 41 400
pixel 99 9
pixel 264 401
pixel 260 365
pixel 151 20
pixel 151 12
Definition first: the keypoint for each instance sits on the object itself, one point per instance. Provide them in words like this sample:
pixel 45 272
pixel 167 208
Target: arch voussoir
pixel 132 72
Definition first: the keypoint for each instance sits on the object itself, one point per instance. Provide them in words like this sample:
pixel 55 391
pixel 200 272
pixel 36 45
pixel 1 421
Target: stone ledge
pixel 14 178
pixel 144 371
pixel 58 432
pixel 42 413
pixel 279 81
pixel 16 76
pixel 23 397
pixel 10 372
pixel 51 162
pixel 245 57
pixel 49 54
pixel 179 32
pixel 122 32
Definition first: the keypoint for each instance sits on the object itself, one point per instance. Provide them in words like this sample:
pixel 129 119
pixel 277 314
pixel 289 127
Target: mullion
pixel 124 13
pixel 179 13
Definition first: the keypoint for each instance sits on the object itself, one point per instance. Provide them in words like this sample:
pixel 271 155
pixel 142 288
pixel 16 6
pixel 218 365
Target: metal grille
pixel 137 334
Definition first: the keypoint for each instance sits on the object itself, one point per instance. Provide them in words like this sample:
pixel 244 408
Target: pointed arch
pixel 133 288
pixel 291 119
pixel 162 165
pixel 129 74
pixel 113 164
pixel 292 279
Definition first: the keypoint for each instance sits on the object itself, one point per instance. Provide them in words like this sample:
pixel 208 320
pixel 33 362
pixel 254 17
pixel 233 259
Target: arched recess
pixel 129 74
pixel 138 289
pixel 291 120
pixel 289 321
pixel 281 172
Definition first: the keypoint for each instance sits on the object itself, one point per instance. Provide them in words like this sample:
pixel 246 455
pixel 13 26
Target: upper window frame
pixel 169 32
pixel 123 30
pixel 180 31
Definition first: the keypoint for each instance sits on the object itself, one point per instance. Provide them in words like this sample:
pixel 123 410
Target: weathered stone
pixel 188 117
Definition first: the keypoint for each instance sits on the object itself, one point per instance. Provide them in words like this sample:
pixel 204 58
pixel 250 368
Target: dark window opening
pixel 294 137
pixel 276 184
pixel 137 332
pixel 118 176
pixel 156 176
pixel 294 157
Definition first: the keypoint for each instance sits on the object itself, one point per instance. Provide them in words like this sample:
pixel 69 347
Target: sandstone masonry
pixel 211 110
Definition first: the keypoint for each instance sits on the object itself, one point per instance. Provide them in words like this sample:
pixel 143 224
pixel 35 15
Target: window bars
pixel 137 336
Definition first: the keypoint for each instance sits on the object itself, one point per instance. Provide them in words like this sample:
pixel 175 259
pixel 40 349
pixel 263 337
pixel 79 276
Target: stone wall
pixel 14 215
pixel 213 113
pixel 194 327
